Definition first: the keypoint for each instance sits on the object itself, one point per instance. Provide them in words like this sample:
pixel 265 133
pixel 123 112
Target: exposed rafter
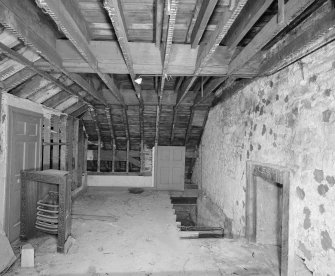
pixel 168 43
pixel 193 20
pixel 189 126
pixel 208 50
pixel 173 7
pixel 205 12
pixel 110 122
pixel 18 78
pixel 77 109
pixel 173 127
pixel 97 124
pixel 208 90
pixel 21 19
pixel 293 9
pixel 19 58
pixel 159 21
pixel 252 11
pixel 70 28
pixel 300 43
pixel 114 9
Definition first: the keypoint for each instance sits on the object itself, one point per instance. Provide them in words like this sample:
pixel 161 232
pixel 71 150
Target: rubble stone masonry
pixel 286 119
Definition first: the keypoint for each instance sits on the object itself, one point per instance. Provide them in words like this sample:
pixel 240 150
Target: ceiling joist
pixel 19 58
pixel 159 22
pixel 208 50
pixel 21 19
pixel 200 25
pixel 292 10
pixel 251 12
pixel 171 8
pixel 64 20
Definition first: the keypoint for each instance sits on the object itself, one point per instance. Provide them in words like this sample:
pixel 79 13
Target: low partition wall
pixel 119 180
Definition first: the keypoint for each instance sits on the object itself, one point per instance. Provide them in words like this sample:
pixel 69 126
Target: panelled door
pixel 24 152
pixel 170 168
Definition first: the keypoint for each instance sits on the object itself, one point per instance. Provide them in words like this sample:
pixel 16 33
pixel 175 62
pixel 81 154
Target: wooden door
pixel 170 168
pixel 24 152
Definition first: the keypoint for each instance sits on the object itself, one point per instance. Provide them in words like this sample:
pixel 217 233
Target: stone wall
pixel 286 119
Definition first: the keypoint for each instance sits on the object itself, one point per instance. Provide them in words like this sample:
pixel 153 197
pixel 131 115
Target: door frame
pixel 275 174
pixel 11 110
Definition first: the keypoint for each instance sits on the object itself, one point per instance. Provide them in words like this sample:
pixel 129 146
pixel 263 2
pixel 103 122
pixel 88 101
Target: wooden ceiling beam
pixel 200 25
pixel 182 60
pixel 307 38
pixel 208 50
pixel 168 43
pixel 250 14
pixel 65 21
pixel 293 9
pixel 114 9
pixel 193 20
pixel 159 22
pixel 171 7
pixel 23 20
pixel 208 90
pixel 19 58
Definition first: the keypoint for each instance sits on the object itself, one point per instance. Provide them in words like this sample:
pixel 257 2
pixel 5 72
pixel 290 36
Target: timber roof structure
pixel 84 58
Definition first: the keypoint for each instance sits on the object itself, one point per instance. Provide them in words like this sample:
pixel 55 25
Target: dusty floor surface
pixel 118 233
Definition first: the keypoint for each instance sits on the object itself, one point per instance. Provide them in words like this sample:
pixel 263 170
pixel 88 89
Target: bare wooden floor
pixel 117 233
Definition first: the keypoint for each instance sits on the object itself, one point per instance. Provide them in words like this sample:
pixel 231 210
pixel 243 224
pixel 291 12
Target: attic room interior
pixel 167 137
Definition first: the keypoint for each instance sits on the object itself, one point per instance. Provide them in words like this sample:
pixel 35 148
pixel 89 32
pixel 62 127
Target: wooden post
pixel 113 157
pixel 81 160
pixel 99 153
pixel 75 153
pixel 127 164
pixel 55 136
pixel 46 147
pixel 142 156
pixel 85 154
pixel 63 138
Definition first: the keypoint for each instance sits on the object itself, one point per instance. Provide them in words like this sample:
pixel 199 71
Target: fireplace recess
pixel 279 175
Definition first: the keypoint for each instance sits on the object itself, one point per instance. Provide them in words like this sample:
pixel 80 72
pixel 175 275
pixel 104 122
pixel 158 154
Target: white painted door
pixel 24 153
pixel 170 168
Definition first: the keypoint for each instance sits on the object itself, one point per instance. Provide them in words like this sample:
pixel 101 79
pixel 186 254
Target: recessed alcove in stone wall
pixel 268 174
